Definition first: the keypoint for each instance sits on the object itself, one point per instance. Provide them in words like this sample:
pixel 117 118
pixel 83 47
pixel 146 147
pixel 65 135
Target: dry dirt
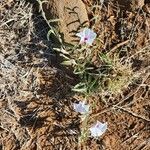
pixel 35 89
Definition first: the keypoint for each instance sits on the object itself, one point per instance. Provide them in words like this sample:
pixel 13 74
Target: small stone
pixel 71 16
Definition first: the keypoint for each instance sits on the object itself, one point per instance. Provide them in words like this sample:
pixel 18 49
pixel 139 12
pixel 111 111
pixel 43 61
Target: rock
pixel 72 16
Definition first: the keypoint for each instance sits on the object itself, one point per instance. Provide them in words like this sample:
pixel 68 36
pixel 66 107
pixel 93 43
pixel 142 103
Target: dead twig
pixel 117 46
pixel 131 113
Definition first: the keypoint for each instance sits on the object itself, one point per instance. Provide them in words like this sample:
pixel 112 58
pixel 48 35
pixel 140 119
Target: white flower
pixel 98 129
pixel 81 108
pixel 87 36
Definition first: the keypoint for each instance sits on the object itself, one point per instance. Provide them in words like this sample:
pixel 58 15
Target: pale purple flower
pixel 87 36
pixel 98 129
pixel 81 108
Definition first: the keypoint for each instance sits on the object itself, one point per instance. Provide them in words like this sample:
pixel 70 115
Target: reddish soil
pixel 35 90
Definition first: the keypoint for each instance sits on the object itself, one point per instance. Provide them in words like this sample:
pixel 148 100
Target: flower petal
pixel 81 108
pixel 80 34
pixel 87 34
pixel 98 129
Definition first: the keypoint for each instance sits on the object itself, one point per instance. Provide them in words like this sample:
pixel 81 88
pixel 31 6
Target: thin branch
pixel 132 113
pixel 117 46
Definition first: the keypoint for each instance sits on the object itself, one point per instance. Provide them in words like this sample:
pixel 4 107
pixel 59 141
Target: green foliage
pixel 110 75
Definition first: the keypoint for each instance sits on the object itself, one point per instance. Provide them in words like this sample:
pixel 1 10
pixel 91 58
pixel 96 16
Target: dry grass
pixel 35 89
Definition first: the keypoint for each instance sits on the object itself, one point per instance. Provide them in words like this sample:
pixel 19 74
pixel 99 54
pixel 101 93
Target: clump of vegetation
pixel 111 76
pixel 108 73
